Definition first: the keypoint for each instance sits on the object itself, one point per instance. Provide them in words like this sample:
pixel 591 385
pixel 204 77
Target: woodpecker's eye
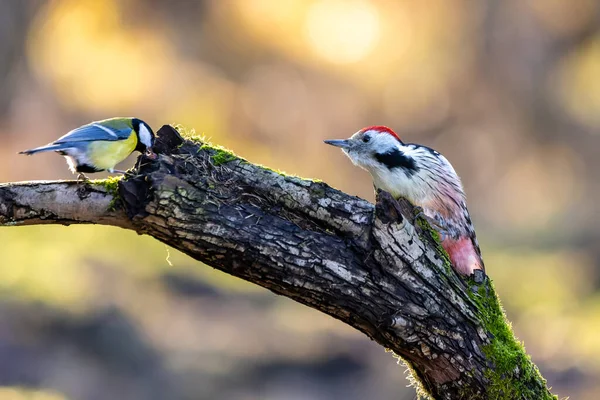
pixel 366 139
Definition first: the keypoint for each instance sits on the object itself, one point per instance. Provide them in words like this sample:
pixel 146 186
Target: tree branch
pixel 60 202
pixel 367 266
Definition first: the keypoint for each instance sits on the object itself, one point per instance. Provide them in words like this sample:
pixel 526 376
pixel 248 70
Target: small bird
pixel 100 145
pixel 424 177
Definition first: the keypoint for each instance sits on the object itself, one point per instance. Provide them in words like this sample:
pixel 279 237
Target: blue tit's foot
pixel 82 185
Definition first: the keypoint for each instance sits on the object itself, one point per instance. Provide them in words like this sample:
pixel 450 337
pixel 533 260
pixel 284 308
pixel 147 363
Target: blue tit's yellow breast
pixel 105 154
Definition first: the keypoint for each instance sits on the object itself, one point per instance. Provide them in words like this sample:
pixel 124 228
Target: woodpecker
pixel 424 177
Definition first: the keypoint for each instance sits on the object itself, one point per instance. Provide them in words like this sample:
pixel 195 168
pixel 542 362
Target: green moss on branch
pixel 513 374
pixel 219 154
pixel 111 186
pixel 222 155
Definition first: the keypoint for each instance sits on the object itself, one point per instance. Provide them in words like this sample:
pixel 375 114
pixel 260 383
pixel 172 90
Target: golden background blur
pixel 508 90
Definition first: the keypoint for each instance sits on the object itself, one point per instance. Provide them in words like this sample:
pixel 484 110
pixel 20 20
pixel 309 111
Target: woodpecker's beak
pixel 343 143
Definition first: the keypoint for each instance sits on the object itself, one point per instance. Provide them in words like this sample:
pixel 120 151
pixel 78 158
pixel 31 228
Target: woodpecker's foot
pixel 444 234
pixel 419 212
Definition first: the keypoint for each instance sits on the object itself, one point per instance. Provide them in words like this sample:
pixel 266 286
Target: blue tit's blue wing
pixel 96 131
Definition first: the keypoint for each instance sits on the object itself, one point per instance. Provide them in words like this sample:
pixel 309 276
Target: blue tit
pixel 101 145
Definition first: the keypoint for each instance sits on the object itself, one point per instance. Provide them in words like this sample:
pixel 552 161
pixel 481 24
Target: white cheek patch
pixel 145 135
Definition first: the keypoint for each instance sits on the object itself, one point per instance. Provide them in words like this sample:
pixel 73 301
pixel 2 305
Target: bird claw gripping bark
pixel 420 213
pixel 82 185
pixel 82 181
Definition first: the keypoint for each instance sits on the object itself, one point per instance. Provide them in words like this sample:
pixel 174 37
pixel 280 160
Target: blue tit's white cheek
pixel 145 135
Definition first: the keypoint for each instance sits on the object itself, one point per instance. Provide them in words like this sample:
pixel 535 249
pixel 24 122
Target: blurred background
pixel 508 90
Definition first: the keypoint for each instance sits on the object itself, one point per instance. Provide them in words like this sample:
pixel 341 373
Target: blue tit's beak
pixel 342 143
pixel 150 153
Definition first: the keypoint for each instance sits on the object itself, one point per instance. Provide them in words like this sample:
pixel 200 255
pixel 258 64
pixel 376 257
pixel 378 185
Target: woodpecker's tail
pixel 48 147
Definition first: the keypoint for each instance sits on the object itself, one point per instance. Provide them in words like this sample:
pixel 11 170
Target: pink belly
pixel 462 254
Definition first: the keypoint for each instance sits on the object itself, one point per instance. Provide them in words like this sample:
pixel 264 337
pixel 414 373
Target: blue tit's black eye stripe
pixel 395 158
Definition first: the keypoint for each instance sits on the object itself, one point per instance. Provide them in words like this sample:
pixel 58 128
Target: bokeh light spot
pixel 579 84
pixel 342 31
pixel 92 60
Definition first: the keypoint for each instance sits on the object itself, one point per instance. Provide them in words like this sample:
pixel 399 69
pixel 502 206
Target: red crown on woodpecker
pixel 381 129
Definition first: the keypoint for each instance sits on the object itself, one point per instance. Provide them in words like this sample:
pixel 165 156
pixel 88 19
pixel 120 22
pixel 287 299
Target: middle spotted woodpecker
pixel 424 177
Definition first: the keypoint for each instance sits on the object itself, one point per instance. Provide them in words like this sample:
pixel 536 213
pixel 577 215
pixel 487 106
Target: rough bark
pixel 371 267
